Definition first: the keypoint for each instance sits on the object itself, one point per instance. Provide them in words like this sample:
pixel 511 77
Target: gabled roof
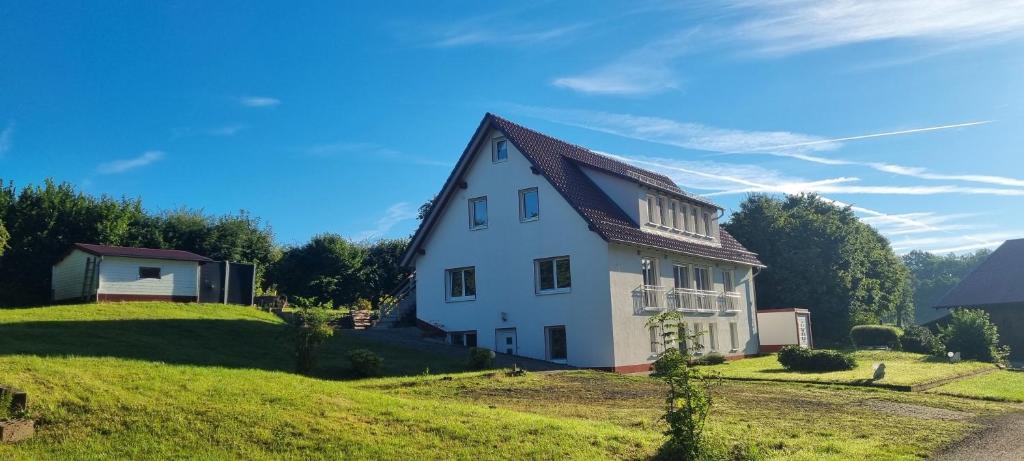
pixel 560 163
pixel 998 280
pixel 146 253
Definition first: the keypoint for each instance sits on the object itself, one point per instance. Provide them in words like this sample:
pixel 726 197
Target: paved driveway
pixel 1001 440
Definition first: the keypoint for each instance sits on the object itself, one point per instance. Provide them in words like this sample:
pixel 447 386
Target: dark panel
pixel 211 282
pixel 240 278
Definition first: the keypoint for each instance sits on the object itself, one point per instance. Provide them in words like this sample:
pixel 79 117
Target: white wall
pixel 69 274
pixel 626 194
pixel 121 276
pixel 504 255
pixel 632 337
pixel 778 328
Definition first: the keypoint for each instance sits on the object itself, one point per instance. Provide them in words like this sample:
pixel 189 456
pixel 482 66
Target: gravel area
pixel 1000 440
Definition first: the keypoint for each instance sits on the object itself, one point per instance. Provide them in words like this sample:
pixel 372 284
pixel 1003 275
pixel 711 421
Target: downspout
pixel 99 280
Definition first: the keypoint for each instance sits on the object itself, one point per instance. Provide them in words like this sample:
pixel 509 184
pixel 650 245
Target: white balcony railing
pixel 651 297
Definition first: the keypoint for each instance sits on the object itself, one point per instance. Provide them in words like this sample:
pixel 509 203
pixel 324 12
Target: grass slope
pixel 1001 385
pixel 167 381
pixel 901 369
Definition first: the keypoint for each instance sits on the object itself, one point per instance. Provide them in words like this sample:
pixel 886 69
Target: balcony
pixel 651 298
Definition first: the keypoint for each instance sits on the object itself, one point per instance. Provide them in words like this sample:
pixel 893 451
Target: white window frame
pixel 651 212
pixel 713 337
pixel 707 224
pixel 522 204
pixel 547 343
pixel 734 336
pixel 728 281
pixel 554 274
pixel 472 213
pixel 686 277
pixel 657 338
pixel 707 276
pixel 448 273
pixel 494 150
pixel 662 210
pixel 674 205
pixel 694 211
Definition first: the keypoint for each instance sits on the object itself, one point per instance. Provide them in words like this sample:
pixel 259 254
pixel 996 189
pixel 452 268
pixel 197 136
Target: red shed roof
pixel 146 253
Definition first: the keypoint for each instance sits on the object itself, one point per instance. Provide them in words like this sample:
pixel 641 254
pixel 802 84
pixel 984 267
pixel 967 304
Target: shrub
pixel 921 340
pixel 713 358
pixel 876 336
pixel 365 362
pixel 974 336
pixel 480 358
pixel 668 362
pixel 310 329
pixel 795 358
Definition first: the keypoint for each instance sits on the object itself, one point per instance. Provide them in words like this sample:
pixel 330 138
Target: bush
pixel 480 358
pixel 310 329
pixel 921 340
pixel 795 358
pixel 365 362
pixel 876 336
pixel 974 336
pixel 713 358
pixel 668 362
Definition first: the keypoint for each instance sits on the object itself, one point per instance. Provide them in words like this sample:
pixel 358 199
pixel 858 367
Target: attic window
pixel 499 151
pixel 149 272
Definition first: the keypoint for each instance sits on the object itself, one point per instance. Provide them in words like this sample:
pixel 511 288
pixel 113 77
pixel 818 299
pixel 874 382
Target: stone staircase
pixel 398 314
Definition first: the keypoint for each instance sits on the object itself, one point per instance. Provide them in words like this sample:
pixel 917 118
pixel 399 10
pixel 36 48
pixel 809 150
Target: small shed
pixel 105 273
pixel 784 327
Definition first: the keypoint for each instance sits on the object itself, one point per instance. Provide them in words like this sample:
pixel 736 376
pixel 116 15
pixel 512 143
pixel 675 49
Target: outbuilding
pixel 105 273
pixel 784 327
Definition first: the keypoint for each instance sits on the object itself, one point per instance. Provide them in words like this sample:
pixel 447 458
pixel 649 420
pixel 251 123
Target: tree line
pixel 40 224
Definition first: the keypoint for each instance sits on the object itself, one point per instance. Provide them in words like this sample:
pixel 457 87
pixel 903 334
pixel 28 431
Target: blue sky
pixel 335 117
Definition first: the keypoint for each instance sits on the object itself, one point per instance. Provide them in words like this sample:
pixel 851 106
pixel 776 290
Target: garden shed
pixel 105 273
pixel 784 327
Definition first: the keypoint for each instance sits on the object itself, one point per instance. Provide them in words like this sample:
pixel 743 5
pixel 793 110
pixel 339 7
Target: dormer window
pixel 707 224
pixel 499 150
pixel 652 211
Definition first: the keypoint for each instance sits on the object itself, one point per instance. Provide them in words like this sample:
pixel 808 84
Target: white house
pixel 544 249
pixel 108 273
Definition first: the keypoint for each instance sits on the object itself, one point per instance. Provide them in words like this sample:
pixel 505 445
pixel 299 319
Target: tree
pixel 425 208
pixel 4 236
pixel 932 276
pixel 820 256
pixel 328 269
pixel 383 268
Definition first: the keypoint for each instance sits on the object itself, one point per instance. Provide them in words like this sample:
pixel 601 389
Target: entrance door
pixel 557 347
pixel 803 336
pixel 505 341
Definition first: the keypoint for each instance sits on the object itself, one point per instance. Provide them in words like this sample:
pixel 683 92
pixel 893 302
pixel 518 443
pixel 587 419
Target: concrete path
pixel 410 337
pixel 1001 440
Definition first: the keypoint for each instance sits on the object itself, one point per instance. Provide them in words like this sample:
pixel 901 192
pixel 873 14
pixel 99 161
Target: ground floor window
pixel 463 338
pixel 557 347
pixel 713 337
pixel 734 335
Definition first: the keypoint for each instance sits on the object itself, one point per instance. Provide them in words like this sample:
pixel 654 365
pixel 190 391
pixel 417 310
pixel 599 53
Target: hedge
pixel 796 358
pixel 876 336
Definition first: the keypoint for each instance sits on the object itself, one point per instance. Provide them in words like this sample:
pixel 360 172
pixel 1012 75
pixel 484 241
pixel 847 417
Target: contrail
pixel 878 135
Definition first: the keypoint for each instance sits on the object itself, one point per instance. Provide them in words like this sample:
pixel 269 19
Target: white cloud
pixel 782 27
pixel 230 129
pixel 394 215
pixel 259 101
pixel 483 32
pixel 6 136
pixel 646 70
pixel 121 166
pixel 369 150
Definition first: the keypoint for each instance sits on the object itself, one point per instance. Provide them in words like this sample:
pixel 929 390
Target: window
pixel 674 223
pixel 693 219
pixel 707 224
pixel 553 275
pixel 681 274
pixel 662 211
pixel 651 211
pixel 713 336
pixel 478 213
pixel 461 284
pixel 685 342
pixel 529 205
pixel 701 281
pixel 656 336
pixel 149 272
pixel 463 338
pixel 557 347
pixel 700 338
pixel 499 151
pixel 734 336
pixel 727 281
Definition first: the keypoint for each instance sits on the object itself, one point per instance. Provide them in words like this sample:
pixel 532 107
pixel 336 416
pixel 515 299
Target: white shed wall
pixel 777 328
pixel 121 276
pixel 69 274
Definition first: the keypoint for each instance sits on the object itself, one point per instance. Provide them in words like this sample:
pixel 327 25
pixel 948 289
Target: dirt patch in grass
pixel 915 411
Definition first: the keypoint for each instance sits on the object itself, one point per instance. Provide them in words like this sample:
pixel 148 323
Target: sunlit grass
pixel 1000 385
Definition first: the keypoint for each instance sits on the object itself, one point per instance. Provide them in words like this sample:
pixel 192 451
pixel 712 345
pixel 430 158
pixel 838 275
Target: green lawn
pixel 1001 385
pixel 901 369
pixel 162 381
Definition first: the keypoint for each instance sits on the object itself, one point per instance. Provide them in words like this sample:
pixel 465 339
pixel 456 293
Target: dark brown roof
pixel 560 162
pixel 147 253
pixel 998 280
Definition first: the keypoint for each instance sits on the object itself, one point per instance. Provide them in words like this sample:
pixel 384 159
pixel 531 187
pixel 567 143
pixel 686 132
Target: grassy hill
pixel 168 381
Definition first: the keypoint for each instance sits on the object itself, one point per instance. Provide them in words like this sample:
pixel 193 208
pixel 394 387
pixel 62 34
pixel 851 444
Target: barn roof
pixel 562 164
pixel 998 280
pixel 145 253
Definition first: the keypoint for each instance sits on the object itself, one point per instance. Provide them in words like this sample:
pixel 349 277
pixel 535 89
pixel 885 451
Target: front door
pixel 505 341
pixel 801 330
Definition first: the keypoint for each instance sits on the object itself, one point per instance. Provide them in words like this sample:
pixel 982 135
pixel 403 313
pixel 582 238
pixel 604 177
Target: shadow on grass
pixel 226 343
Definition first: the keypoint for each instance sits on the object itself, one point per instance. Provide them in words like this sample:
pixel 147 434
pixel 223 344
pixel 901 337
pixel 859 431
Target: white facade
pixel 604 312
pixel 120 278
